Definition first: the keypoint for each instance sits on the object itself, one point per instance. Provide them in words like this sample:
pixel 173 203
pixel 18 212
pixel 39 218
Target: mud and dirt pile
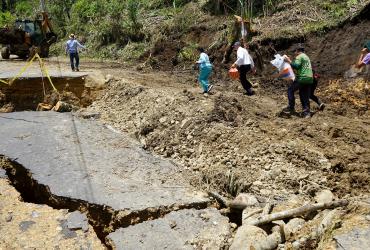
pixel 233 143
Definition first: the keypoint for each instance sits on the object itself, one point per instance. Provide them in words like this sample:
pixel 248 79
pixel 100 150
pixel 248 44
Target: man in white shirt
pixel 244 63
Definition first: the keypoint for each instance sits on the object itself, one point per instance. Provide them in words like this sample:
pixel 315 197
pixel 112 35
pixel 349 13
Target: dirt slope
pixel 235 143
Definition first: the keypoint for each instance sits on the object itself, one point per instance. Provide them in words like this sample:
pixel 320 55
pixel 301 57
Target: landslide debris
pixel 233 143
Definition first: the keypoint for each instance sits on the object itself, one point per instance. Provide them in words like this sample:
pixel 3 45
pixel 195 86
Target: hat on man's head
pixel 237 44
pixel 72 35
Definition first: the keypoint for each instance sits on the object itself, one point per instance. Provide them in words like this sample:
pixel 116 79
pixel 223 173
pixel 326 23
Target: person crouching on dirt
pixel 72 46
pixel 245 64
pixel 365 56
pixel 205 70
pixel 303 82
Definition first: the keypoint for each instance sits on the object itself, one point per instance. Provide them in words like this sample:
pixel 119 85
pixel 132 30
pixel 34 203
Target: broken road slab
pixel 184 229
pixel 34 226
pixel 358 238
pixel 81 160
pixel 13 68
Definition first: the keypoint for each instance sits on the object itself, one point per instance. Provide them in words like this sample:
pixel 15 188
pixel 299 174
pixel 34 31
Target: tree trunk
pixel 264 219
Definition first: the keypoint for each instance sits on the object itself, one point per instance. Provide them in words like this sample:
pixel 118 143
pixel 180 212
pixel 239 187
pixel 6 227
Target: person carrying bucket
pixel 245 64
pixel 205 70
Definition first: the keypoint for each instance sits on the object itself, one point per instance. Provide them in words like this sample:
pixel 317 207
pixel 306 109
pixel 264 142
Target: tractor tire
pixel 5 53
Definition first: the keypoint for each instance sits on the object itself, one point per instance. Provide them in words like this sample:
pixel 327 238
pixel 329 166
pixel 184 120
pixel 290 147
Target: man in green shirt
pixel 303 82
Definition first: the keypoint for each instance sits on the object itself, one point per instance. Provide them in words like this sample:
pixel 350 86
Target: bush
pixel 25 10
pixel 6 19
pixel 167 3
pixel 189 53
pixel 107 22
pixel 183 20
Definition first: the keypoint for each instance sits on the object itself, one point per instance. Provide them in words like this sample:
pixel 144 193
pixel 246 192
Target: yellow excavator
pixel 27 37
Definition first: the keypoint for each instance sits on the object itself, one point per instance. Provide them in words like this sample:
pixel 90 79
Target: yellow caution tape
pixel 43 69
pixel 4 81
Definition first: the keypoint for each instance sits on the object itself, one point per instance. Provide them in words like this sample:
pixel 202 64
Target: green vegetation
pixel 128 29
pixel 337 9
pixel 6 18
pixel 189 53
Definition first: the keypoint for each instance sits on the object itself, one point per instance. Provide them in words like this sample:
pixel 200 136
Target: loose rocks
pixel 76 221
pixel 247 236
pixel 324 196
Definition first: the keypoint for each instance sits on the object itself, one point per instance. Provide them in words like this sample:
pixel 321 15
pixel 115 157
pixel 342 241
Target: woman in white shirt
pixel 205 70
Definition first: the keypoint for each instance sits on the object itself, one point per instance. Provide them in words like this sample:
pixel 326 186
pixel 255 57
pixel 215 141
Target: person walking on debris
pixel 303 82
pixel 365 56
pixel 313 97
pixel 205 70
pixel 245 64
pixel 72 46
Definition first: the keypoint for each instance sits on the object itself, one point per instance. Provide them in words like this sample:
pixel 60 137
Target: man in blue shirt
pixel 72 46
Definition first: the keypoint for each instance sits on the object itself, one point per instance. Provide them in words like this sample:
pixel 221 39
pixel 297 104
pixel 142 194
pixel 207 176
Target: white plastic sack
pixel 284 68
pixel 278 61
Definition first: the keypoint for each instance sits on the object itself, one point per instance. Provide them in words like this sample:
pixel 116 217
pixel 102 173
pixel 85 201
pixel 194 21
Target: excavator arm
pixel 46 24
pixel 47 28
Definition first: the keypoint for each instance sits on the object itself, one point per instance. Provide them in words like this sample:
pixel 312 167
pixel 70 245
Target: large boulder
pixel 248 236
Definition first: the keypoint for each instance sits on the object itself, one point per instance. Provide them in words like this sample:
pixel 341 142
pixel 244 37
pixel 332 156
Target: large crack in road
pixel 70 163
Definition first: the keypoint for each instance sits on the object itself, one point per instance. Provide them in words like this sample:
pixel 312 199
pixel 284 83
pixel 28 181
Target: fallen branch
pixel 238 205
pixel 222 200
pixel 251 214
pixel 327 223
pixel 264 219
pixel 226 203
pixel 267 209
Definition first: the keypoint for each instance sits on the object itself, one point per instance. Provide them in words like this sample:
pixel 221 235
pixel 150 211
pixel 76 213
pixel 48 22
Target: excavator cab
pixel 33 30
pixel 28 37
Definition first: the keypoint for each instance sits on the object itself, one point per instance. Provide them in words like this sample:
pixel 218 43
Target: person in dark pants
pixel 72 46
pixel 245 64
pixel 303 82
pixel 313 97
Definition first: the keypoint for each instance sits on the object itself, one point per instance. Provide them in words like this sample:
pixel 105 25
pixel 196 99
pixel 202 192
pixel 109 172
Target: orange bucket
pixel 234 73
